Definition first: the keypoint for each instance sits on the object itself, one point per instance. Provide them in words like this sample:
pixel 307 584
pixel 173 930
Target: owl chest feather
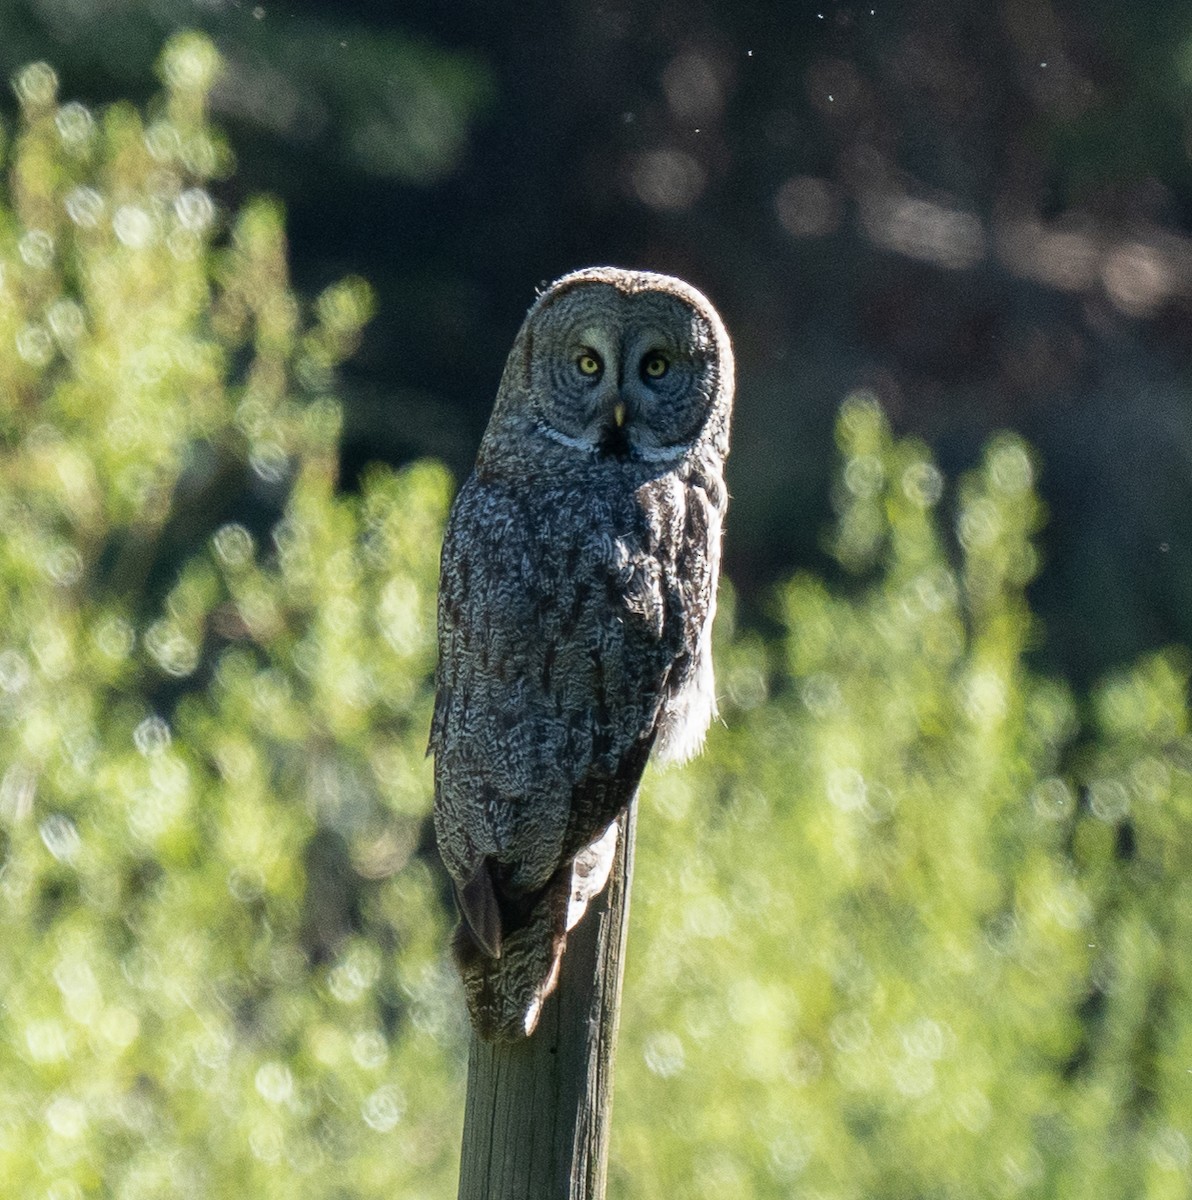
pixel 603 577
pixel 570 629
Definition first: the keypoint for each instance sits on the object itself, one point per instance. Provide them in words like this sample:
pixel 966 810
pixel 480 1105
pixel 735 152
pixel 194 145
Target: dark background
pixel 979 211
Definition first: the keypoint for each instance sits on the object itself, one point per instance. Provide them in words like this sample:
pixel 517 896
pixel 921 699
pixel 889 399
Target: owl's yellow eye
pixel 654 366
pixel 589 364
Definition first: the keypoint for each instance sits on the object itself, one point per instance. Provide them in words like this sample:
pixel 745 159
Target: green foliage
pixel 915 925
pixel 221 967
pixel 881 949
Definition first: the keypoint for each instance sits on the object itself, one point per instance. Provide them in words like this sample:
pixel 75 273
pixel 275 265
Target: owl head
pixel 614 365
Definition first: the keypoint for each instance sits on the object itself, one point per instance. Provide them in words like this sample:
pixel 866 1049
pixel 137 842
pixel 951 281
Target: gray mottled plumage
pixel 576 600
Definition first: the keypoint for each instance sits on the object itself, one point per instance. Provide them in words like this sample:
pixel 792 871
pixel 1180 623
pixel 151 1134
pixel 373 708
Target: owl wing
pixel 557 637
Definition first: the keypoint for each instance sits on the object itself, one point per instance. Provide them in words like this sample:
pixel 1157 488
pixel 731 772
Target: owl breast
pixel 575 628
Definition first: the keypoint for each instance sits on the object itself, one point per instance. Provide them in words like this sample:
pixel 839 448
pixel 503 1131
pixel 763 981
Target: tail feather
pixel 481 913
pixel 505 994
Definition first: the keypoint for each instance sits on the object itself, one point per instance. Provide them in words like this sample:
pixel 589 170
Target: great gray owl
pixel 576 599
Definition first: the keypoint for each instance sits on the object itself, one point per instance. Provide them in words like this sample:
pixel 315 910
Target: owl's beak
pixel 614 439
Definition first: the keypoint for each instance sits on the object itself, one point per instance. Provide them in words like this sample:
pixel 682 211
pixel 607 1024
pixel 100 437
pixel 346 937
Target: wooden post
pixel 538 1111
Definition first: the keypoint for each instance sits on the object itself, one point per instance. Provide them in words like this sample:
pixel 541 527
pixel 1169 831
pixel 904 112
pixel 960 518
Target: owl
pixel 576 597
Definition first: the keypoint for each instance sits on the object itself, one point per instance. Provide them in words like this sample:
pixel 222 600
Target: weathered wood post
pixel 537 1117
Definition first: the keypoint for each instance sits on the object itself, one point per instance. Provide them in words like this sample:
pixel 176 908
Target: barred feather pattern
pixel 576 599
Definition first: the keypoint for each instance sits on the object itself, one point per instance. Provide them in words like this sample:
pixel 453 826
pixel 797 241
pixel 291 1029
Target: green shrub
pixel 904 931
pixel 221 967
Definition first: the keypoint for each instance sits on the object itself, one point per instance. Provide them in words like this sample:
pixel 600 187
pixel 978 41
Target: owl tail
pixel 505 994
